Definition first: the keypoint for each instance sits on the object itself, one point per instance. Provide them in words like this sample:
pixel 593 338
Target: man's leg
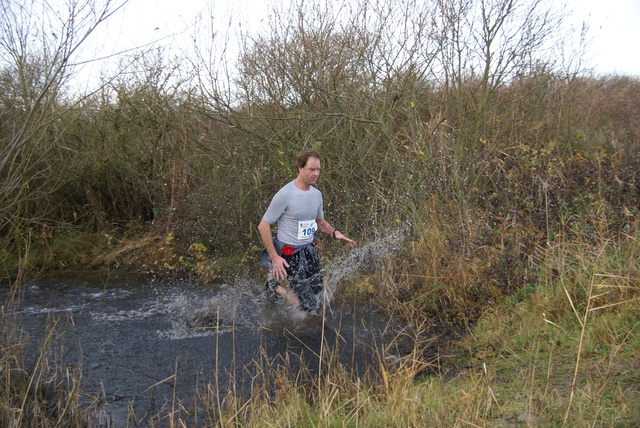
pixel 292 272
pixel 288 295
pixel 308 285
pixel 305 287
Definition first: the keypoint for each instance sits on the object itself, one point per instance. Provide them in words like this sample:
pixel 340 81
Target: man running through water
pixel 297 209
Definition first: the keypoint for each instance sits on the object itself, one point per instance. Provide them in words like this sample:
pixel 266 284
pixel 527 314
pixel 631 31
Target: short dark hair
pixel 303 157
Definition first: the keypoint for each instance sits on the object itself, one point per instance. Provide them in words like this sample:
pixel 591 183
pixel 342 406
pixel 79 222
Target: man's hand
pixel 343 238
pixel 278 264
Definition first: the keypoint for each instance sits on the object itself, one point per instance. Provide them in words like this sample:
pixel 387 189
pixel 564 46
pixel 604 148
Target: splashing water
pixel 246 303
pixel 367 255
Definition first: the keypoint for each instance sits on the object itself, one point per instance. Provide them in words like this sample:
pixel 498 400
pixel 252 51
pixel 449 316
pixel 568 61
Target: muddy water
pixel 139 341
pixel 142 344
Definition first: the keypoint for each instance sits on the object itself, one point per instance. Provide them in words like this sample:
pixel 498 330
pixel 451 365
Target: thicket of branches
pixel 467 121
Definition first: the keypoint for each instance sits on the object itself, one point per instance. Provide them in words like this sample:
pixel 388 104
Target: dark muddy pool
pixel 143 344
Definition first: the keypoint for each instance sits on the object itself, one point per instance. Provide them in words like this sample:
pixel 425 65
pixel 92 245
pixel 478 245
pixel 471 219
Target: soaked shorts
pixel 305 279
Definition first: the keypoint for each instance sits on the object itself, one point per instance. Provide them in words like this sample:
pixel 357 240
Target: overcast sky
pixel 614 25
pixel 615 29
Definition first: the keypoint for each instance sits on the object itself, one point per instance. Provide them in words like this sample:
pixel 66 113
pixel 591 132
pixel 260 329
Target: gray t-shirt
pixel 296 212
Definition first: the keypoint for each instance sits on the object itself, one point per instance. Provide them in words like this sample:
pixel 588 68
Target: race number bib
pixel 307 229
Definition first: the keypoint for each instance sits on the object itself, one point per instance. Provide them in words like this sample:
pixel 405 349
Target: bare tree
pixel 484 45
pixel 39 40
pixel 332 72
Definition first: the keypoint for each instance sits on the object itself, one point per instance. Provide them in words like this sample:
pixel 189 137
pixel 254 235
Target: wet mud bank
pixel 143 344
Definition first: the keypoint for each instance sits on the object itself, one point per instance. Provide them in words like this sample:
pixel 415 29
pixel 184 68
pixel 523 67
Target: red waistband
pixel 288 250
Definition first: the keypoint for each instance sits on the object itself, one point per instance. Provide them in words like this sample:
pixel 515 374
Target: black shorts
pixel 305 278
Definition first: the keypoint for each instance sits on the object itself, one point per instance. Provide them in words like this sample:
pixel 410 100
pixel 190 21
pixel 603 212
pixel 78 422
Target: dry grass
pixel 36 390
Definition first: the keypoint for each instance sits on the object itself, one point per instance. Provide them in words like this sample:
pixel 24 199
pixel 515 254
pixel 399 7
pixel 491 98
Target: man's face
pixel 309 174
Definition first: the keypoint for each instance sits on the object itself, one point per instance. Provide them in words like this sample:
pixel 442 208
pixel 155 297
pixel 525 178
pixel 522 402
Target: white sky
pixel 614 26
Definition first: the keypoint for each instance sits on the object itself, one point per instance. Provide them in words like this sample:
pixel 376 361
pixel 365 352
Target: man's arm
pixel 278 263
pixel 325 227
